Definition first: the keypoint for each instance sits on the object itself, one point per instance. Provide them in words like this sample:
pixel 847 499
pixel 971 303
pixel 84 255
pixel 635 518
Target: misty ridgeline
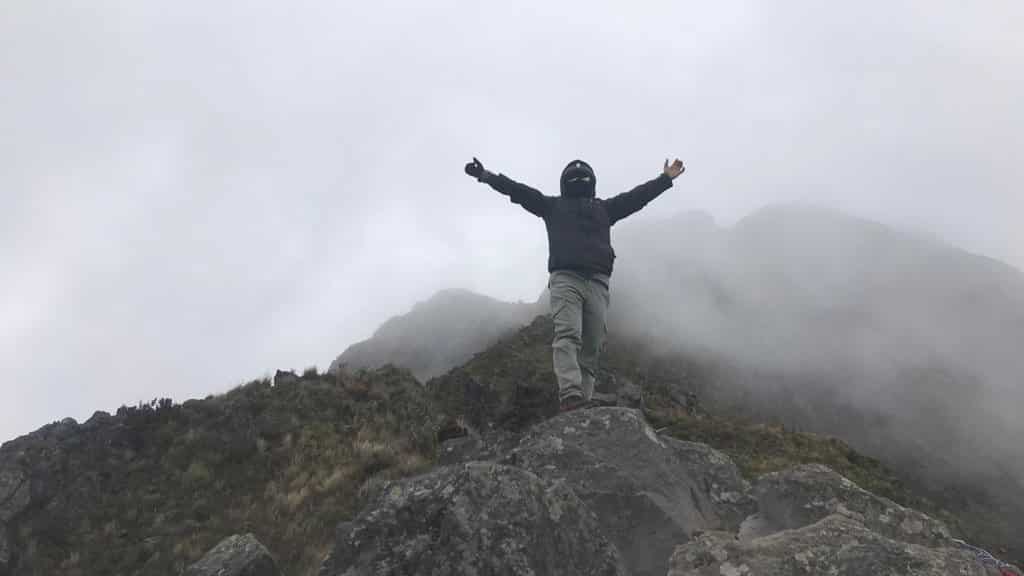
pixel 784 387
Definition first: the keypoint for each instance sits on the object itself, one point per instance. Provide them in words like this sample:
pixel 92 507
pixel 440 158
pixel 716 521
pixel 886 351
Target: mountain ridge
pixel 304 462
pixel 288 460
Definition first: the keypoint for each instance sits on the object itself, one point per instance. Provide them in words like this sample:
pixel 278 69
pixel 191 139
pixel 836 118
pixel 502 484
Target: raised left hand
pixel 675 169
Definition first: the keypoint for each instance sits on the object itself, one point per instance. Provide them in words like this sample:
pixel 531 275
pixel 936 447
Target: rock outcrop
pixel 803 495
pixel 238 555
pixel 837 545
pixel 811 520
pixel 474 518
pixel 649 492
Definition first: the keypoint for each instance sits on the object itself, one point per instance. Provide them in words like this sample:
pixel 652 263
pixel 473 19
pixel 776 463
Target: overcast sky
pixel 197 193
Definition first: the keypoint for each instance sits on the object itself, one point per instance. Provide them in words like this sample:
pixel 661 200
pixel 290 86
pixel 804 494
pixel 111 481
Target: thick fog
pixel 195 194
pixel 906 347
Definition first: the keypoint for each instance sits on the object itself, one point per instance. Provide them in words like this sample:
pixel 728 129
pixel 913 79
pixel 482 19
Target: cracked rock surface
pixel 473 518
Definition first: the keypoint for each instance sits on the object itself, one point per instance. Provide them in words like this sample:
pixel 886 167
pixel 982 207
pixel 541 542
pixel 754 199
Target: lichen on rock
pixel 473 518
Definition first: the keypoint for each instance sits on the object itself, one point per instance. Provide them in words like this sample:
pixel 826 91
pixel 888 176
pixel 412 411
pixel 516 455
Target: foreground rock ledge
pixel 806 494
pixel 473 518
pixel 836 545
pixel 238 555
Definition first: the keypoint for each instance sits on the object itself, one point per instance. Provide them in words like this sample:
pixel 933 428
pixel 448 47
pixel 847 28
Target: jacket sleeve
pixel 618 207
pixel 530 199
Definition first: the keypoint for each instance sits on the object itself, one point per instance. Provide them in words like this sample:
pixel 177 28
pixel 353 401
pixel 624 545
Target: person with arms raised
pixel 580 262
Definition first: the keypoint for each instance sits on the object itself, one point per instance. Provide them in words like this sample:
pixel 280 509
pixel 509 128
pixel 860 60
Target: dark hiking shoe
pixel 570 403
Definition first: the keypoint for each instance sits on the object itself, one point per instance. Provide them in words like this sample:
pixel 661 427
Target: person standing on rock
pixel 580 259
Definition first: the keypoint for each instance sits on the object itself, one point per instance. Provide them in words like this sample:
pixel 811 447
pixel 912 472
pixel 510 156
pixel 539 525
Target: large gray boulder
pixel 837 545
pixel 805 494
pixel 649 492
pixel 238 555
pixel 474 518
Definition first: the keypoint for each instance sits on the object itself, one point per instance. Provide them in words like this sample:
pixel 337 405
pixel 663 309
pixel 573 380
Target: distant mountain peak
pixel 438 333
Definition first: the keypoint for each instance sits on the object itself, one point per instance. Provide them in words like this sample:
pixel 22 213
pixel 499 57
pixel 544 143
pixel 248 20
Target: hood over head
pixel 578 180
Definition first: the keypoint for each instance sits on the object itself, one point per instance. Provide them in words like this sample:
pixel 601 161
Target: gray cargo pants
pixel 578 305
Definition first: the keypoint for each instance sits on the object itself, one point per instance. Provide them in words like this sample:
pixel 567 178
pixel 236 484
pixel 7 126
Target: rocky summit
pixel 474 472
pixel 648 492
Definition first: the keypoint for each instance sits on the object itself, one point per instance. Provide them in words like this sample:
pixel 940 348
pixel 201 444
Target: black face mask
pixel 579 188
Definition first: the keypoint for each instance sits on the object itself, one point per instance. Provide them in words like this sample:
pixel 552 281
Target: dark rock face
pixel 14 492
pixel 285 378
pixel 803 495
pixel 649 493
pixel 14 497
pixel 238 555
pixel 837 545
pixel 474 518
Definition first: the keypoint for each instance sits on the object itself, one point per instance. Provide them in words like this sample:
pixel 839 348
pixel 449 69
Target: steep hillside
pixel 148 490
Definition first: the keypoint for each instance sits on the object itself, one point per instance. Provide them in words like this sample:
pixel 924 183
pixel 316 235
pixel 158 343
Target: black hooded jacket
pixel 579 228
